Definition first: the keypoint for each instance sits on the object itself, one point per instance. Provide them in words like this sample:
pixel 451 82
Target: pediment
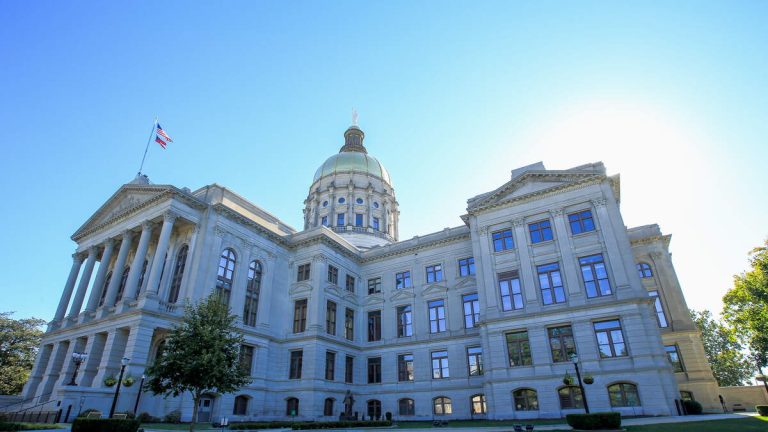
pixel 402 294
pixel 300 287
pixel 466 282
pixel 374 299
pixel 351 298
pixel 333 289
pixel 434 289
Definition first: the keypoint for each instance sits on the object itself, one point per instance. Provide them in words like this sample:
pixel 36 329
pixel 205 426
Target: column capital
pixel 78 257
pixel 110 242
pixel 518 222
pixel 599 202
pixel 147 226
pixel 557 212
pixel 126 234
pixel 93 251
pixel 170 216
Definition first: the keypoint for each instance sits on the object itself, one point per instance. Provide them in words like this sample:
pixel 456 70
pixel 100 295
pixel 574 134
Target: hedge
pixel 692 407
pixel 105 425
pixel 261 425
pixel 594 421
pixel 13 426
pixel 340 424
pixel 762 409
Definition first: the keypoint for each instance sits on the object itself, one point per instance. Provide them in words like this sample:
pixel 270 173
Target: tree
pixel 723 350
pixel 201 355
pixel 19 340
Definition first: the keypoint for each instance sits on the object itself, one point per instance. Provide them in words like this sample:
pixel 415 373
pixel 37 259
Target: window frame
pixel 330 317
pixel 503 240
pixel 374 325
pixel 540 231
pixel 445 404
pixel 405 368
pixel 574 397
pixel 349 324
pixel 252 293
pixel 563 340
pixel 303 272
pixel 644 270
pixel 374 370
pixel 300 316
pixel 404 321
pixel 525 399
pixel 441 369
pixel 374 285
pixel 480 401
pixel 330 365
pixel 471 319
pixel 178 274
pixel 438 324
pixel 510 282
pixel 658 306
pixel 611 335
pixel 677 366
pixel 349 369
pixel 623 394
pixel 589 265
pixel 578 219
pixel 520 345
pixel 410 407
pixel 478 359
pixel 434 273
pixel 403 279
pixel 245 358
pixel 467 266
pixel 333 274
pixel 350 283
pixel 240 406
pixel 554 290
pixel 296 364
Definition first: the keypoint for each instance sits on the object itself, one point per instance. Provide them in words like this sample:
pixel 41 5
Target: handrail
pixel 21 403
pixel 35 406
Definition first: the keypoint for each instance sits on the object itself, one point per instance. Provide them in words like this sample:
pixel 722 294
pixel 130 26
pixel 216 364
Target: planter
pixel 110 381
pixel 128 381
pixel 567 379
pixel 589 379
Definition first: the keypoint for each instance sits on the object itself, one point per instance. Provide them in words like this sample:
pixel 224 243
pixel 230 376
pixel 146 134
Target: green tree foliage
pixel 723 349
pixel 201 355
pixel 746 305
pixel 19 340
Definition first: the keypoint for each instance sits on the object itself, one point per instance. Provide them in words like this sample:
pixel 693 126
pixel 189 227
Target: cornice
pixel 237 217
pixel 417 247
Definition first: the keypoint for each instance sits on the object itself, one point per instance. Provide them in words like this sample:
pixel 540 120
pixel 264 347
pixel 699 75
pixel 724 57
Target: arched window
pixel 292 406
pixel 686 395
pixel 374 409
pixel 160 349
pixel 477 404
pixel 141 278
pixel 644 270
pixel 178 273
pixel 525 400
pixel 225 275
pixel 570 397
pixel 441 405
pixel 623 395
pixel 406 407
pixel 123 280
pixel 252 294
pixel 328 407
pixel 104 289
pixel 241 405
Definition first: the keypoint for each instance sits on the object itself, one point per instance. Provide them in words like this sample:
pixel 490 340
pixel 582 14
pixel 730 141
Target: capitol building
pixel 482 320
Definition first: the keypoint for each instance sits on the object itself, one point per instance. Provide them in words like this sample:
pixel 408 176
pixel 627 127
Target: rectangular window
pixel 467 266
pixel 471 310
pixel 475 361
pixel 502 240
pixel 674 358
pixel 330 318
pixel 358 219
pixel 510 290
pixel 349 369
pixel 519 349
pixel 303 272
pixel 403 280
pixel 299 316
pixel 581 222
pixel 246 358
pixel 434 273
pixel 349 324
pixel 540 231
pixel 595 276
pixel 551 284
pixel 440 365
pixel 436 316
pixel 610 340
pixel 374 370
pixel 661 317
pixel 374 285
pixel 324 221
pixel 330 365
pixel 404 321
pixel 350 283
pixel 296 360
pixel 405 367
pixel 561 343
pixel 333 275
pixel 374 326
pixel 340 219
pixel 376 223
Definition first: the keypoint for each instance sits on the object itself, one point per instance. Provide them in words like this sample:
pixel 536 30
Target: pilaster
pixel 527 276
pixel 114 347
pixel 567 258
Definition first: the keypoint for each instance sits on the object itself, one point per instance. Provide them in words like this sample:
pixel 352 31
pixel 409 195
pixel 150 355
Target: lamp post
pixel 575 360
pixel 123 364
pixel 78 358
pixel 138 395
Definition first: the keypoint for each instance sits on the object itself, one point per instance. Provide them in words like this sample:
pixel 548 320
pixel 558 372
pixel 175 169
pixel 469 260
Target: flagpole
pixel 154 126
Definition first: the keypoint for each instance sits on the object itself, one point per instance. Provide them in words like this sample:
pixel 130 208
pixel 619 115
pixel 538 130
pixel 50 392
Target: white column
pixel 570 270
pixel 138 262
pixel 239 285
pixel 98 283
pixel 74 310
pixel 162 248
pixel 77 260
pixel 117 272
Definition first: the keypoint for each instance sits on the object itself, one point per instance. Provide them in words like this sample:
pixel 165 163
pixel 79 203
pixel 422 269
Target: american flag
pixel 160 141
pixel 162 133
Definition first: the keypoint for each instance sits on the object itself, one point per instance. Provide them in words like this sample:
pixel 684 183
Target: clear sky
pixel 452 96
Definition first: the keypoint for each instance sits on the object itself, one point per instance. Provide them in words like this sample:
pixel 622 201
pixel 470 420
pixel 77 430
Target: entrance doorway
pixel 204 410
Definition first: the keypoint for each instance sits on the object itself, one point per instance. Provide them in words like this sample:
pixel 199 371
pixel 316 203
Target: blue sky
pixel 451 95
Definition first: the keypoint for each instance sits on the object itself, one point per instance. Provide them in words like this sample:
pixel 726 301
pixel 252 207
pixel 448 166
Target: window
pixel 340 219
pixel 525 400
pixel 303 272
pixel 349 324
pixel 358 219
pixel 436 316
pixel 405 367
pixel 403 280
pixel 292 407
pixel 295 367
pixel 502 240
pixel 686 395
pixel 475 361
pixel 595 276
pixel 561 343
pixel 349 369
pixel 406 407
pixel 374 285
pixel 471 310
pixel 440 365
pixel 178 274
pixel 324 221
pixel 467 266
pixel 375 205
pixel 674 358
pixel 330 318
pixel 104 289
pixel 434 273
pixel 225 275
pixel 374 370
pixel 610 340
pixel 661 317
pixel 252 290
pixel 644 270
pixel 342 200
pixel 299 316
pixel 511 293
pixel 350 285
pixel 623 395
pixel 570 397
pixel 477 404
pixel 519 349
pixel 581 222
pixel 246 358
pixel 359 200
pixel 330 365
pixel 121 287
pixel 441 406
pixel 328 407
pixel 374 326
pixel 376 223
pixel 540 231
pixel 333 275
pixel 241 405
pixel 141 278
pixel 374 409
pixel 404 321
pixel 551 284
pixel 325 203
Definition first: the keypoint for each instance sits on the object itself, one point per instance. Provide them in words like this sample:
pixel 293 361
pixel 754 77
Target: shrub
pixel 261 425
pixel 173 417
pixel 11 426
pixel 762 409
pixel 388 415
pixel 146 417
pixel 692 407
pixel 339 424
pixel 593 421
pixel 105 425
pixel 128 414
pixel 86 412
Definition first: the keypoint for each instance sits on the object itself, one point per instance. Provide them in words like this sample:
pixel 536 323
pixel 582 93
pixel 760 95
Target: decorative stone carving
pixel 599 202
pixel 518 222
pixel 558 212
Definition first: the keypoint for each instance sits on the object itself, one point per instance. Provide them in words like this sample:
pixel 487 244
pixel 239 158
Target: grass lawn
pixel 35 426
pixel 748 424
pixel 181 426
pixel 476 423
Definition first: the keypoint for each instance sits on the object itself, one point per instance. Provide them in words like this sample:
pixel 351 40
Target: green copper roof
pixel 352 161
